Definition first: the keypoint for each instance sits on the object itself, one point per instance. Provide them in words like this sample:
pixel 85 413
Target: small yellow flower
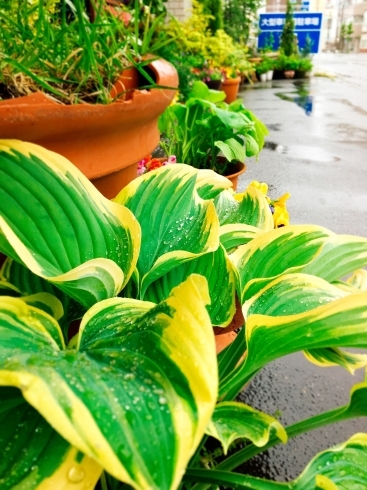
pixel 280 215
pixel 262 186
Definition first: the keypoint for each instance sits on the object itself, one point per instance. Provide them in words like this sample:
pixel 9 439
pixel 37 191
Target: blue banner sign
pixel 307 24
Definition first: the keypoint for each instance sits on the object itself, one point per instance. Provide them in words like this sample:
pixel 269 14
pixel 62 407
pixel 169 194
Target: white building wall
pixel 181 9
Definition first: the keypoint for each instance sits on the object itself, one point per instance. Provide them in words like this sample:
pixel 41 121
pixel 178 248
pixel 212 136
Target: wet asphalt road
pixel 316 150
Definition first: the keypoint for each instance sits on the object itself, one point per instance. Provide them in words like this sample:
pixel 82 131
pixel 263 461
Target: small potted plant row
pixel 284 67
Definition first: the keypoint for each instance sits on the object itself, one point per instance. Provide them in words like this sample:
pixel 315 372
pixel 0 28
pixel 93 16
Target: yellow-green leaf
pixel 177 225
pixel 233 420
pixel 140 377
pixel 54 221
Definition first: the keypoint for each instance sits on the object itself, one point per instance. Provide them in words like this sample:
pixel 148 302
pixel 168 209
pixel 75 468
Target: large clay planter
pixel 230 86
pixel 104 141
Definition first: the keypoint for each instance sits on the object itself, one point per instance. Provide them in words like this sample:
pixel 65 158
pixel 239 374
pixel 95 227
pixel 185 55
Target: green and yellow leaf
pixel 341 467
pixel 341 323
pixel 55 222
pixel 218 271
pixel 34 455
pixel 297 248
pixel 29 285
pixel 232 420
pixel 359 280
pixel 249 208
pixel 234 235
pixel 209 184
pixel 135 393
pixel 177 225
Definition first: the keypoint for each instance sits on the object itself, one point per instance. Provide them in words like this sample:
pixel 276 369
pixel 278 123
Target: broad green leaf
pixel 340 255
pixel 8 289
pixel 54 221
pixel 341 323
pixel 249 208
pixel 136 392
pixel 290 294
pixel 218 271
pixel 343 467
pixel 296 248
pixel 209 184
pixel 28 285
pixel 234 235
pixel 252 147
pixel 177 225
pixel 34 455
pixel 357 407
pixel 233 420
pixel 232 149
pixel 359 280
pixel 201 91
pixel 328 356
pixel 344 286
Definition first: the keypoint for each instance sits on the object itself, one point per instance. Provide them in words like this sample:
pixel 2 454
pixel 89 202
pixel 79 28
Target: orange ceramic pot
pixel 231 86
pixel 238 168
pixel 104 141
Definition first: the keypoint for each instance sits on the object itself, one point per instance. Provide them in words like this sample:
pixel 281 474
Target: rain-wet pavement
pixel 316 150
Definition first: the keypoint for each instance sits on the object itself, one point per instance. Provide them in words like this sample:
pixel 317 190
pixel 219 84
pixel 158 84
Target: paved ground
pixel 316 150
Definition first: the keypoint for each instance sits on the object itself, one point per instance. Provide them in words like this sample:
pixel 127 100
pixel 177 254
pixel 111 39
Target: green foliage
pixel 238 17
pixel 266 65
pixel 307 48
pixel 214 9
pixel 287 41
pixel 205 126
pixel 193 37
pixel 63 53
pixel 141 373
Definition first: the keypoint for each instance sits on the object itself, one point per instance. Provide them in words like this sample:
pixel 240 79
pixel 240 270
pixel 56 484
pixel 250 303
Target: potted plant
pixel 66 84
pixel 143 374
pixel 288 65
pixel 262 70
pixel 304 68
pixel 212 77
pixel 207 133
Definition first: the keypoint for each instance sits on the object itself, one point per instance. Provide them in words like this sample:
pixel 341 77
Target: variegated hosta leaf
pixel 218 271
pixel 344 286
pixel 296 248
pixel 209 184
pixel 28 285
pixel 34 455
pixel 359 280
pixel 177 225
pixel 291 294
pixel 328 356
pixel 341 323
pixel 232 236
pixel 233 420
pixel 248 208
pixel 341 467
pixel 137 391
pixel 53 220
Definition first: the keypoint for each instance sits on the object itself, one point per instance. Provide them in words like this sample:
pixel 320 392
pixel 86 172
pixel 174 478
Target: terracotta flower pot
pixel 224 336
pixel 104 141
pixel 289 73
pixel 238 168
pixel 230 86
